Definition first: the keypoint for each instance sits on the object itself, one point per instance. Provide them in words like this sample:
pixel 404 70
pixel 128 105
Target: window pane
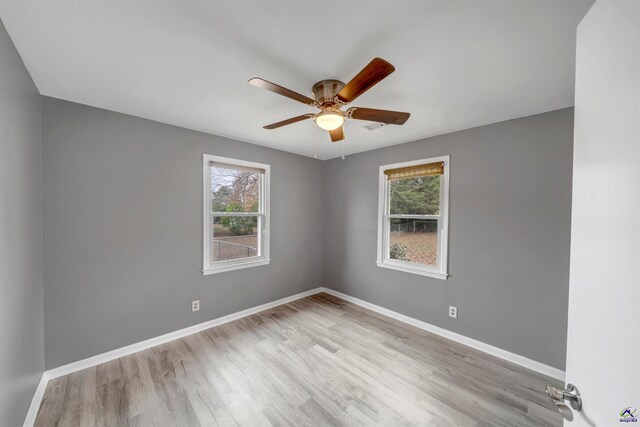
pixel 413 240
pixel 415 196
pixel 234 190
pixel 234 237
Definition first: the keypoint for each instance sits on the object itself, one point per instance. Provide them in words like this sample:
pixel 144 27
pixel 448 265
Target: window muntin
pixel 236 214
pixel 413 214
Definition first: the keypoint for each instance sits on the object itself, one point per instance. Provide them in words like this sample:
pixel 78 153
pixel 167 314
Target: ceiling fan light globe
pixel 329 121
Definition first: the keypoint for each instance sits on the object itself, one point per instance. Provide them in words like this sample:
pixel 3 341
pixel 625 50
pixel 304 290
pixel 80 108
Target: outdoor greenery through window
pixel 414 239
pixel 236 213
pixel 412 234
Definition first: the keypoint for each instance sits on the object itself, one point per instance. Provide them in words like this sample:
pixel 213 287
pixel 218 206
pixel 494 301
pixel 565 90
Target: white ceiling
pixel 459 64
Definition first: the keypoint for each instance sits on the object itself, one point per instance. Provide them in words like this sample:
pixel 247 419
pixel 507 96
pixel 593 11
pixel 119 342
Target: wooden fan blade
pixel 288 121
pixel 272 87
pixel 382 116
pixel 337 134
pixel 370 75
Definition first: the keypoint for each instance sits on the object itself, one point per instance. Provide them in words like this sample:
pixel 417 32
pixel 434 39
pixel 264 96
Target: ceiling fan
pixel 331 95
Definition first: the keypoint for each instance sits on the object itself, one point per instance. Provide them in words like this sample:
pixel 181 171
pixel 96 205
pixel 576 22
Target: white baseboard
pixel 143 345
pixel 32 413
pixel 162 339
pixel 470 342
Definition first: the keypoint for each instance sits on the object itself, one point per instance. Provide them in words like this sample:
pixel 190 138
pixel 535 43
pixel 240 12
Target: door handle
pixel 570 394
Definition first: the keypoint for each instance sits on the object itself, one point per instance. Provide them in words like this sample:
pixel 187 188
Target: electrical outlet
pixel 453 312
pixel 195 305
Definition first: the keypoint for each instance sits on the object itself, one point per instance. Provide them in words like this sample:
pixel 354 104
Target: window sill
pixel 422 272
pixel 234 266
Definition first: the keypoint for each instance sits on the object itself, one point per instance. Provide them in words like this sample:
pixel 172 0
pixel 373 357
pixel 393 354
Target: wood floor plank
pixel 109 404
pixel 79 407
pixel 315 361
pixel 52 402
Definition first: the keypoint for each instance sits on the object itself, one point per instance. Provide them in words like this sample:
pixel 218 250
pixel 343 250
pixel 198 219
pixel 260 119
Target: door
pixel 603 346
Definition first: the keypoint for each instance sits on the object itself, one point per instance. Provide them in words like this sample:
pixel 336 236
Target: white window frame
pixel 209 267
pixel 440 270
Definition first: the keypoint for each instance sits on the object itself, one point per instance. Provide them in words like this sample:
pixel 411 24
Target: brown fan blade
pixel 263 84
pixel 337 134
pixel 370 75
pixel 382 116
pixel 288 121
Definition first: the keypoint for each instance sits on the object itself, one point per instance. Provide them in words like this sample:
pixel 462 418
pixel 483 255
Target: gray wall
pixel 510 204
pixel 123 230
pixel 21 325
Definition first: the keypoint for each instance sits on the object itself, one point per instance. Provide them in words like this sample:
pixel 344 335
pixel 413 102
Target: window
pixel 236 214
pixel 412 216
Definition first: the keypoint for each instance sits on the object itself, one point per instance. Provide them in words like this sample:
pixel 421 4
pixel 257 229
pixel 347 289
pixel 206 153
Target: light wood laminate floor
pixel 316 361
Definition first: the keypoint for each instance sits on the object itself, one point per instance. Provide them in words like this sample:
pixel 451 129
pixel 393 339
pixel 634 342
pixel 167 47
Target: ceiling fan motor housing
pixel 325 90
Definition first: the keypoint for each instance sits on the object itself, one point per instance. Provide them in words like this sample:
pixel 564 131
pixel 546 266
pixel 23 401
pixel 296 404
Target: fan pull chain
pixel 315 140
pixel 344 141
